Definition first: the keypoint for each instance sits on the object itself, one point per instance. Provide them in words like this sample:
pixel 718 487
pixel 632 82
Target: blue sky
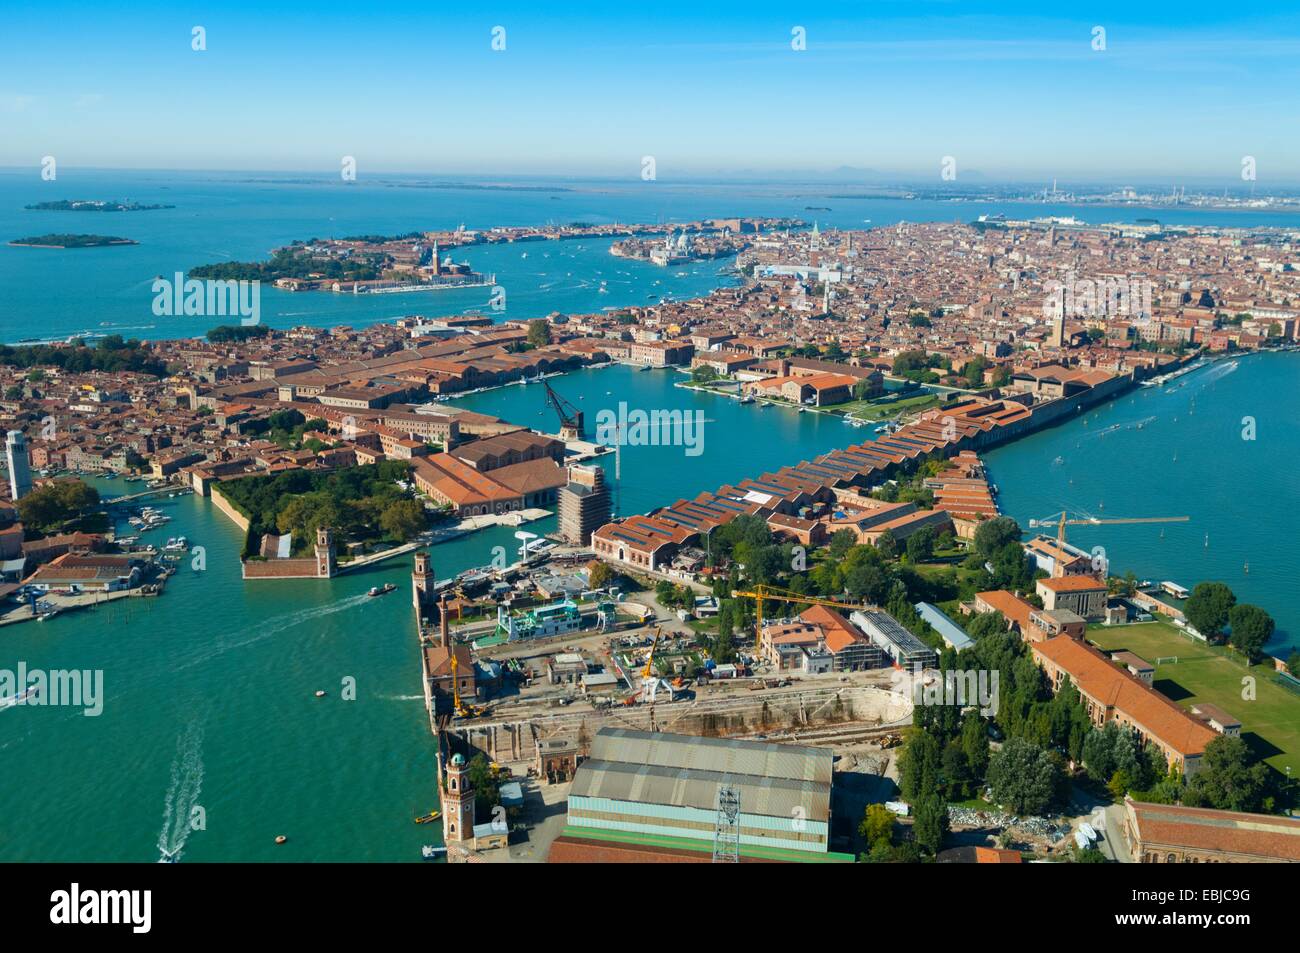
pixel 1180 94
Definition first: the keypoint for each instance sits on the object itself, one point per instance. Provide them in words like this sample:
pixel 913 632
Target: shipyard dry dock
pixel 812 712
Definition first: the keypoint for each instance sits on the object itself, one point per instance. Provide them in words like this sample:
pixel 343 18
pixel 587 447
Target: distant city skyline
pixel 1179 94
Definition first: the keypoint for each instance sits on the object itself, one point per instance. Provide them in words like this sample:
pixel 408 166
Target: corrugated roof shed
pixel 687 771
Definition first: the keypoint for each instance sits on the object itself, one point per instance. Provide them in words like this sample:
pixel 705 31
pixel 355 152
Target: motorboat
pixel 383 590
pixel 19 698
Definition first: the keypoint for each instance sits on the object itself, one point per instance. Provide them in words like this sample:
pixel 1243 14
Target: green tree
pixel 403 519
pixel 841 542
pixel 1088 855
pixel 539 332
pixel 992 535
pixel 920 545
pixel 1252 627
pixel 877 825
pixel 975 743
pixel 1229 778
pixel 930 822
pixel 985 624
pixel 919 766
pixel 487 788
pixel 1023 776
pixel 599 575
pixel 1207 608
pixel 974 370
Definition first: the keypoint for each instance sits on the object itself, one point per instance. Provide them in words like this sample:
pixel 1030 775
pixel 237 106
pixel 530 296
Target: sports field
pixel 1270 723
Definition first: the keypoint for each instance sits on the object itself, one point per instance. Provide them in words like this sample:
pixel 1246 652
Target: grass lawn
pixel 1270 723
pixel 965 578
pixel 871 410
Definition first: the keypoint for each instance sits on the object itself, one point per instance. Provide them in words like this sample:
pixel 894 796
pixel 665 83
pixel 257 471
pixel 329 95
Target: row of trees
pixel 237 332
pixel 111 354
pixel 294 261
pixel 1213 610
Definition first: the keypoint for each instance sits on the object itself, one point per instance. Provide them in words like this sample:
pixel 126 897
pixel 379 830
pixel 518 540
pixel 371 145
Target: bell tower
pixel 457 802
pixel 422 584
pixel 324 552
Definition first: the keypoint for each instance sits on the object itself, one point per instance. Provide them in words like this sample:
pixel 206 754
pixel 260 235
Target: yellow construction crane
pixel 762 592
pixel 462 710
pixel 649 659
pixel 1060 521
pixel 637 692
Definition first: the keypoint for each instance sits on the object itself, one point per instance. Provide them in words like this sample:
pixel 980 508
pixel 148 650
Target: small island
pixel 92 205
pixel 71 241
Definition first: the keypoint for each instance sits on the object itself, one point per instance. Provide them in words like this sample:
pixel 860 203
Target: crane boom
pixel 1061 520
pixel 763 591
pixel 571 424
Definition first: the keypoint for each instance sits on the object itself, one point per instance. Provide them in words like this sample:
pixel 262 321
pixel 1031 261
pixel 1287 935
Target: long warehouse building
pixel 650 793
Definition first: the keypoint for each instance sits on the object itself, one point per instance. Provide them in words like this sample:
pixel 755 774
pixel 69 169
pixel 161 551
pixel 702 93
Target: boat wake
pixel 1218 371
pixel 182 794
pixel 277 624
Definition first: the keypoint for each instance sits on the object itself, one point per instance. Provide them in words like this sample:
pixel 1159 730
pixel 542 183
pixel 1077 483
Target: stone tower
pixel 422 585
pixel 20 473
pixel 324 552
pixel 457 802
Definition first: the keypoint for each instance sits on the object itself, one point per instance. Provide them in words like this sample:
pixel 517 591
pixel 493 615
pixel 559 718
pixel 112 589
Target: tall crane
pixel 1061 520
pixel 570 416
pixel 762 592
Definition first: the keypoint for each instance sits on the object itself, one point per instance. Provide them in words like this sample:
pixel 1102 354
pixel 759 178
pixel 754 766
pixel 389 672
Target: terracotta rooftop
pixel 1265 836
pixel 1099 678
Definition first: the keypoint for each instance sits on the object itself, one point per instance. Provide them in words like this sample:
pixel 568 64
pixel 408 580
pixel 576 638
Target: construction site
pixel 533 707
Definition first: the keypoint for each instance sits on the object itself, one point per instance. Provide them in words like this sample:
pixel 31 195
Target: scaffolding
pixel 726 829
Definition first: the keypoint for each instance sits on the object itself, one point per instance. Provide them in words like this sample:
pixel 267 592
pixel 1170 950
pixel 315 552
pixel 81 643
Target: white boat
pixel 19 698
pixel 429 852
pixel 536 547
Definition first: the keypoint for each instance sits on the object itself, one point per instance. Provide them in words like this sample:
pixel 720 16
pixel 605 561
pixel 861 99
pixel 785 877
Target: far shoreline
pixel 115 242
